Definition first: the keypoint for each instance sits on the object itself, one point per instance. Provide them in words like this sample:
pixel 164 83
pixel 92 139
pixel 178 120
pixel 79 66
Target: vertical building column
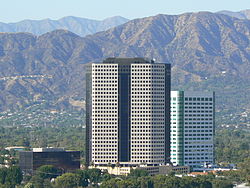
pixel 124 89
pixel 177 127
pixel 88 138
pixel 167 111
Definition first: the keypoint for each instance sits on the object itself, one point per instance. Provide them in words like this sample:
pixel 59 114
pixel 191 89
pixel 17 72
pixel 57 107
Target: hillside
pixel 244 14
pixel 207 51
pixel 80 26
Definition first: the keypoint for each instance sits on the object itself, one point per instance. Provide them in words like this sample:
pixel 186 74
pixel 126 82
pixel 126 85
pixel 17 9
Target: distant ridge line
pixel 77 25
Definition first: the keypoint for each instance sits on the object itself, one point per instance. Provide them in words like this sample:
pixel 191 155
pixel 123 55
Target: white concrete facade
pixel 104 113
pixel 128 113
pixel 148 113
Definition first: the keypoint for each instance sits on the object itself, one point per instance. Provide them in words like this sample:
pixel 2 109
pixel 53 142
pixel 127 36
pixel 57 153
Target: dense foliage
pixel 68 137
pixel 140 179
pixel 46 177
pixel 48 172
pixel 10 177
pixel 232 146
pixel 80 178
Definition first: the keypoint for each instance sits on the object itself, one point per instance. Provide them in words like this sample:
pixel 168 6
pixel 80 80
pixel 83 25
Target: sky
pixel 17 10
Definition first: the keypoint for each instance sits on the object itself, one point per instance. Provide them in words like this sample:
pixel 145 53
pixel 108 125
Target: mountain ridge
pixel 80 26
pixel 244 14
pixel 207 51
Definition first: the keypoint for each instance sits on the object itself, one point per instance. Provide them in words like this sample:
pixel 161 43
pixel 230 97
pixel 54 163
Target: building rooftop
pixel 127 60
pixel 47 149
pixel 15 148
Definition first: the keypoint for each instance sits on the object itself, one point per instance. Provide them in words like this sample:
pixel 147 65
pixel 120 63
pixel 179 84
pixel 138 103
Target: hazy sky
pixel 16 10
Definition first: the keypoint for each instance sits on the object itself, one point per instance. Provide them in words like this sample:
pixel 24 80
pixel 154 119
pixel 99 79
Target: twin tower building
pixel 133 118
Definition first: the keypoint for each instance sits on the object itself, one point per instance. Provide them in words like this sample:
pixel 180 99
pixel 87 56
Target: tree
pixel 4 151
pixel 94 175
pixel 48 172
pixel 29 185
pixel 221 183
pixel 114 182
pixel 47 183
pixel 174 182
pixel 3 173
pixel 146 181
pixel 14 175
pixel 83 178
pixel 106 176
pixel 245 167
pixel 159 180
pixel 205 181
pixel 37 181
pixel 2 160
pixel 138 173
pixel 67 180
pixel 232 146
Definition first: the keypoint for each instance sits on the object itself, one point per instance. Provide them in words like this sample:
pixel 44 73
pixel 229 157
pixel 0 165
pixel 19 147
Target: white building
pixel 192 128
pixel 152 170
pixel 128 112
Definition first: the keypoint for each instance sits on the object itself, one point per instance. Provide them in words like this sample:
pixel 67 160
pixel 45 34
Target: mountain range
pixel 82 26
pixel 79 26
pixel 244 14
pixel 208 51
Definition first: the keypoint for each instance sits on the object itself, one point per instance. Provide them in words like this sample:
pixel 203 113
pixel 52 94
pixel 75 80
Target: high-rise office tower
pixel 128 112
pixel 192 128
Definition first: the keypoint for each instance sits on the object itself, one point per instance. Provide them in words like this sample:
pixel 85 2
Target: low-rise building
pixel 152 170
pixel 67 161
pixel 16 148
